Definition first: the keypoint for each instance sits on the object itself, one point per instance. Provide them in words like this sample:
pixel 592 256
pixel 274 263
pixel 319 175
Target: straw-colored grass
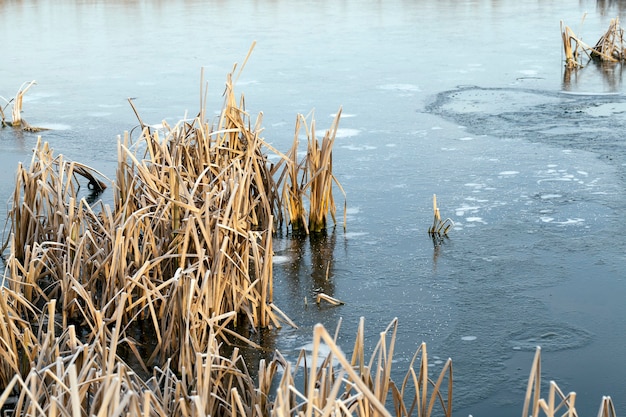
pixel 440 228
pixel 311 178
pixel 320 177
pixel 17 103
pixel 609 48
pixel 557 404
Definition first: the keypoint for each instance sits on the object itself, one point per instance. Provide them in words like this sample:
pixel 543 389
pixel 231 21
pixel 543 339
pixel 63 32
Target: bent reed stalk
pixel 16 110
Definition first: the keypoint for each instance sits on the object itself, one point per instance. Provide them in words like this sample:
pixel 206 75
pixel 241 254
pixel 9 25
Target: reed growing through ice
pixel 440 227
pixel 17 104
pixel 311 178
pixel 557 404
pixel 609 48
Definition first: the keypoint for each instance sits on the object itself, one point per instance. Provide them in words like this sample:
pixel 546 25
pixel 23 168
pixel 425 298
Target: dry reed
pixel 609 48
pixel 557 404
pixel 17 103
pixel 311 178
pixel 440 228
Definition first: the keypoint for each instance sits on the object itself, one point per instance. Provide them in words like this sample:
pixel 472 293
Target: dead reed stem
pixel 440 228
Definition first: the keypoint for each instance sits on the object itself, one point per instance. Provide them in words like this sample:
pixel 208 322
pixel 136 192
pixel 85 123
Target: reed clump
pixel 311 178
pixel 609 48
pixel 557 404
pixel 160 279
pixel 16 110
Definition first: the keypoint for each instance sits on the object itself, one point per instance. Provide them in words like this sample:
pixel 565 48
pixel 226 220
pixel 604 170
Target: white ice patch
pixel 322 353
pixel 54 126
pixel 358 148
pixel 550 196
pixel 554 179
pixel 468 338
pixel 466 138
pixel 342 133
pixel 508 173
pixel 351 235
pixel 400 87
pixel 605 110
pixel 475 220
pixel 280 259
pixel 546 219
pixel 475 185
pixel 576 221
pixel 460 211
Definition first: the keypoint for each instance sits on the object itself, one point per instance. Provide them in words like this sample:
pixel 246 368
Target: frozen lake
pixel 464 99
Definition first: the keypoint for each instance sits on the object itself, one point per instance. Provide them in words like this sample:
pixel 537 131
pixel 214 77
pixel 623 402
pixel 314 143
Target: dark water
pixel 465 99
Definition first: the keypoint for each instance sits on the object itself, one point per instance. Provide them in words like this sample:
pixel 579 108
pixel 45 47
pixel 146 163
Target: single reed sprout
pixel 440 228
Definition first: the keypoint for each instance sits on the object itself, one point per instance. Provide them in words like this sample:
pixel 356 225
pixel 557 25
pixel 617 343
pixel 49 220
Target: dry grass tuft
pixel 311 178
pixel 16 111
pixel 557 404
pixel 440 228
pixel 609 48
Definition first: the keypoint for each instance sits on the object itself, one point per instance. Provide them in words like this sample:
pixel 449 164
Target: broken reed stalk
pixel 18 102
pixel 440 228
pixel 557 404
pixel 571 52
pixel 609 48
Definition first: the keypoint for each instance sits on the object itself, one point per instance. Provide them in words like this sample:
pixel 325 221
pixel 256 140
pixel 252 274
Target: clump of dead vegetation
pixel 609 48
pixel 16 104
